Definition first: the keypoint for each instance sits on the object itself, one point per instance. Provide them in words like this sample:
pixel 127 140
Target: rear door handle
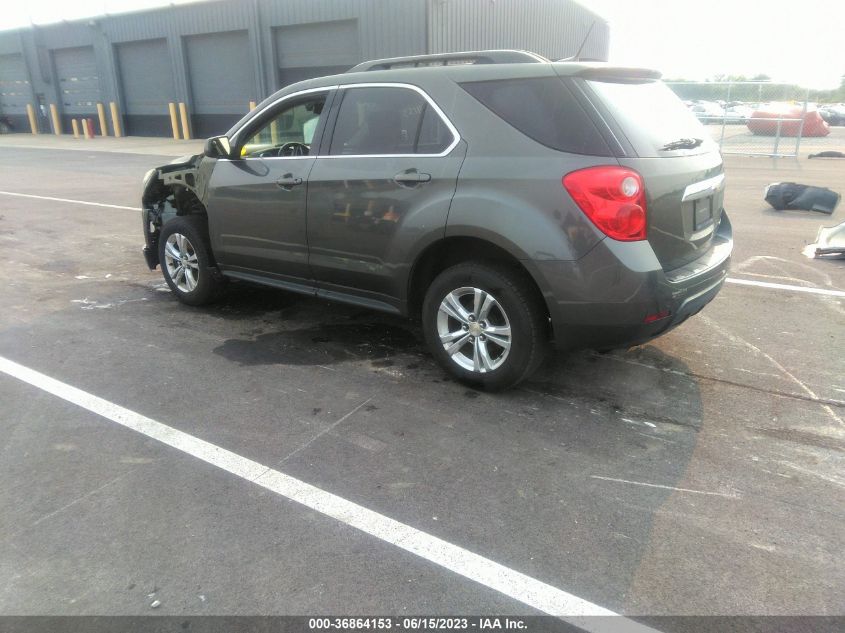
pixel 288 182
pixel 411 178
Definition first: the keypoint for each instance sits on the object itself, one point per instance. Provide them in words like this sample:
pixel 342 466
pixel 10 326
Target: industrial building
pixel 216 57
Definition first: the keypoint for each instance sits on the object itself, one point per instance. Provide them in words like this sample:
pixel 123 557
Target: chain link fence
pixel 760 118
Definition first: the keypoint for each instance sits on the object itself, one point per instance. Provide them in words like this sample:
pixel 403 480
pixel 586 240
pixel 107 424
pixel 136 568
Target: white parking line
pixel 489 573
pixel 767 284
pixel 90 204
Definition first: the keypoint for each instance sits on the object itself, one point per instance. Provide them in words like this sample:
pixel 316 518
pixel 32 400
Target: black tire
pixel 517 302
pixel 204 283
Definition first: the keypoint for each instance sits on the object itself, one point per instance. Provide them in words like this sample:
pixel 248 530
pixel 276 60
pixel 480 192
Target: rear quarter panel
pixel 510 190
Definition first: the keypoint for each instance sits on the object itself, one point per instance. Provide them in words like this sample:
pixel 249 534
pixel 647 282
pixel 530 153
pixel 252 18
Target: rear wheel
pixel 484 325
pixel 186 262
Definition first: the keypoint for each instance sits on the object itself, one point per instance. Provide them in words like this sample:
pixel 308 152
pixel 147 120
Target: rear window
pixel 651 116
pixel 543 109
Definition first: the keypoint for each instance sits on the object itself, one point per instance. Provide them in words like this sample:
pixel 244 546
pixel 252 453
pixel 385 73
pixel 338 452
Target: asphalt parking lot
pixel 701 474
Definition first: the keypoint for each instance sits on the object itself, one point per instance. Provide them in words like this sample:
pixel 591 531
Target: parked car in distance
pixel 707 111
pixel 504 200
pixel 720 112
pixel 738 114
pixel 833 114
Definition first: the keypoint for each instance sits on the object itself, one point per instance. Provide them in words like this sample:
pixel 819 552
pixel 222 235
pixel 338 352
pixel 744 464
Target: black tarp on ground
pixel 791 196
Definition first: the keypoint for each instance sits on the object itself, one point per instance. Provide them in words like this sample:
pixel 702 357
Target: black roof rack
pixel 451 59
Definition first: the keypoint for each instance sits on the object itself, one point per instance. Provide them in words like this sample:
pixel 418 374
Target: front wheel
pixel 186 261
pixel 484 325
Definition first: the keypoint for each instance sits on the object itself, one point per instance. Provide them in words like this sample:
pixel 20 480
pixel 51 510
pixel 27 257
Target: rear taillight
pixel 613 198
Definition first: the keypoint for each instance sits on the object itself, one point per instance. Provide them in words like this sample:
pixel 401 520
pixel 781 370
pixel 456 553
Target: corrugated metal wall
pixel 551 28
pixel 270 49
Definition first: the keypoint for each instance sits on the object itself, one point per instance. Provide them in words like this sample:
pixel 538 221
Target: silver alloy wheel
pixel 181 261
pixel 474 329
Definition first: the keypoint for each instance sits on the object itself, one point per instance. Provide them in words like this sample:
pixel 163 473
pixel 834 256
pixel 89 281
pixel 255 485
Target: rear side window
pixel 377 121
pixel 543 109
pixel 652 117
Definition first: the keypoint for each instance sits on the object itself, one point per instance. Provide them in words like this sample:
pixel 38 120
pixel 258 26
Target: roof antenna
pixel 577 56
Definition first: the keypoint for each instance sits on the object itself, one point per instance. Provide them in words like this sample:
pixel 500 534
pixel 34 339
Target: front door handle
pixel 411 178
pixel 288 182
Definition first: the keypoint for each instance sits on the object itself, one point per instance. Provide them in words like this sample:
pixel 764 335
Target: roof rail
pixel 451 59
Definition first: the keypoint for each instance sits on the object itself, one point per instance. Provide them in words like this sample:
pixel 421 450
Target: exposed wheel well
pixel 454 250
pixel 187 202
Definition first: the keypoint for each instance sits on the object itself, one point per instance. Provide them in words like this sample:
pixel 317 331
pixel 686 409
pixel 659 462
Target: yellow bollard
pixel 174 120
pixel 75 125
pixel 274 132
pixel 57 123
pixel 115 120
pixel 30 113
pixel 252 105
pixel 88 128
pixel 104 126
pixel 183 112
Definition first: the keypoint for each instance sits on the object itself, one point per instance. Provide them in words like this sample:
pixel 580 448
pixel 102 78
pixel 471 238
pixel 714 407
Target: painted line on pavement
pixel 90 204
pixel 773 286
pixel 484 571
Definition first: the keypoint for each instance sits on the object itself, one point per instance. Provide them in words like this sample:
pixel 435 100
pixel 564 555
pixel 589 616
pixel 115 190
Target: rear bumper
pixel 603 300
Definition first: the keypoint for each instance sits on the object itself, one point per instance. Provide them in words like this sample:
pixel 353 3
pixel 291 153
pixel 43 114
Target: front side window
pixel 290 132
pixel 387 120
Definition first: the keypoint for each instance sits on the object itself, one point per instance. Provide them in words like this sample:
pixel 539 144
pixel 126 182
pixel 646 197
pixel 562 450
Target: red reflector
pixel 613 198
pixel 651 318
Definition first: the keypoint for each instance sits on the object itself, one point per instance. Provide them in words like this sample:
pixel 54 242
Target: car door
pixel 257 201
pixel 384 179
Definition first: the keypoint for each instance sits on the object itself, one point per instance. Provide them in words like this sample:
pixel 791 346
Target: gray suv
pixel 504 200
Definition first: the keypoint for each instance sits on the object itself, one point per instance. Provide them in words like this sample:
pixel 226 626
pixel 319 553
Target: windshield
pixel 653 118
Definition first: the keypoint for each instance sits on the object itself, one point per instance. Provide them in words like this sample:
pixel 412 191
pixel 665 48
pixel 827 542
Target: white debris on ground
pixel 830 241
pixel 92 304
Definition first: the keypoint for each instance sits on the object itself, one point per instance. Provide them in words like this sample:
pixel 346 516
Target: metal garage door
pixel 146 77
pixel 15 91
pixel 222 72
pixel 79 83
pixel 311 50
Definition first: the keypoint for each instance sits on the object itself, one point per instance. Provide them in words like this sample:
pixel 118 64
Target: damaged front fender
pixel 178 188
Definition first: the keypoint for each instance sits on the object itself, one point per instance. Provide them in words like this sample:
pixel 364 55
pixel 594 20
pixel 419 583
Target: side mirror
pixel 217 147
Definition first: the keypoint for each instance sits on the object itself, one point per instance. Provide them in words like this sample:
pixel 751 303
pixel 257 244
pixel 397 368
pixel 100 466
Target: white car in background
pixel 834 114
pixel 707 111
pixel 738 114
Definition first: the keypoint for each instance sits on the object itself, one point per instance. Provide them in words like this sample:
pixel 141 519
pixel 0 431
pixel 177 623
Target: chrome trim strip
pixel 703 188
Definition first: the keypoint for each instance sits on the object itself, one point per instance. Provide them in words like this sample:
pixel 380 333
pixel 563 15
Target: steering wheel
pixel 288 149
pixel 294 149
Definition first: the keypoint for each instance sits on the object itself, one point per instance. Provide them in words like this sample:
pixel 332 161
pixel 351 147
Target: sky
pixel 799 42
